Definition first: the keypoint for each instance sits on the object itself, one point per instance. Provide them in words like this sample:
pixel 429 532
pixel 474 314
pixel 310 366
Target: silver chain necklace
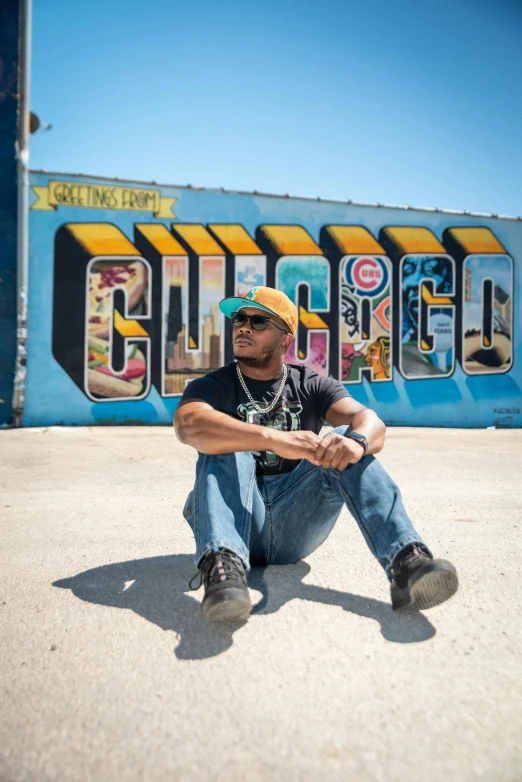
pixel 274 401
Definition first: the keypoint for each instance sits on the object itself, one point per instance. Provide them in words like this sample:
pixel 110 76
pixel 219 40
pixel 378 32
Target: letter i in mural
pixel 243 254
pixel 365 303
pixel 193 286
pixel 427 301
pixel 102 298
pixel 303 273
pixel 487 299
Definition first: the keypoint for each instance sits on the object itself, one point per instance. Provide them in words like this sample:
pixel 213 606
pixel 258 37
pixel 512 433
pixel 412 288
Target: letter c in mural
pixel 101 312
pixel 365 303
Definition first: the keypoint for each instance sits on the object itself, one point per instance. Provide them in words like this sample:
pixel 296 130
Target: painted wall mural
pixel 418 320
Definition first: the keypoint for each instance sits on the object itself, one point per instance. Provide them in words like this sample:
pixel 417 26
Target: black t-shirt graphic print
pixel 286 416
pixel 304 402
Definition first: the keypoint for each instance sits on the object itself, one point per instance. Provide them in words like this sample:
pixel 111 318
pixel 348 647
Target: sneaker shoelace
pixel 217 566
pixel 416 552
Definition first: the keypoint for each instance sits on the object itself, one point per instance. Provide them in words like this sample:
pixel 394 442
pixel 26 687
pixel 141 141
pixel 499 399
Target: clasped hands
pixel 333 451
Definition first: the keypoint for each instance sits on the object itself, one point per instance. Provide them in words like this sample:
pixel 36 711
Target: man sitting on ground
pixel 268 488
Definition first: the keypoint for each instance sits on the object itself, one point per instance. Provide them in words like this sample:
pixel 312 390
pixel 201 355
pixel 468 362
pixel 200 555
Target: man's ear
pixel 287 341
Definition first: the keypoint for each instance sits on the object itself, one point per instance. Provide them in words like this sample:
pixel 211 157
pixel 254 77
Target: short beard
pixel 261 361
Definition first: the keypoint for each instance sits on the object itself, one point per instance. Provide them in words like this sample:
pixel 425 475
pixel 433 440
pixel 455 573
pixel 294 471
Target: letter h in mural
pixel 191 269
pixel 245 266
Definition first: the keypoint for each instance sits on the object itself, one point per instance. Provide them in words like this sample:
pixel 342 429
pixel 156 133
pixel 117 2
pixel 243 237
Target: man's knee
pixel 188 510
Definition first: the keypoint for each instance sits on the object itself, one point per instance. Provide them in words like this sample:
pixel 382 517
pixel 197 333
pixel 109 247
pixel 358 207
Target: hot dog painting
pixel 104 278
pixel 106 323
pixel 105 382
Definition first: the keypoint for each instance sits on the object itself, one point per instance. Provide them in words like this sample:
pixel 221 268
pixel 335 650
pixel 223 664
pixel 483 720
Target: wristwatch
pixel 359 438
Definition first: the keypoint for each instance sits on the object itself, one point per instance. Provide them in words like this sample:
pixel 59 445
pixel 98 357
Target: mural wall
pixel 9 11
pixel 417 312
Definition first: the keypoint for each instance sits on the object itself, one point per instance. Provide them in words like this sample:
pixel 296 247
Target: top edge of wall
pixel 283 195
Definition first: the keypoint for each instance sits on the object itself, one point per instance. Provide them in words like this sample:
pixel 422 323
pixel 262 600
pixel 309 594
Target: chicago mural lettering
pixel 131 312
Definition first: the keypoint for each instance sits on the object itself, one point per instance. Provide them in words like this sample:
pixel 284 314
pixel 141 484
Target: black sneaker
pixel 420 580
pixel 226 593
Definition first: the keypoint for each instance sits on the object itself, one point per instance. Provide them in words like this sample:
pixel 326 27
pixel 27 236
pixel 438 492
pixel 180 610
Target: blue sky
pixel 413 102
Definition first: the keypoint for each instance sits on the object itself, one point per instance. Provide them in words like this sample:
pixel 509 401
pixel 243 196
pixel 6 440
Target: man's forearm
pixel 369 424
pixel 211 432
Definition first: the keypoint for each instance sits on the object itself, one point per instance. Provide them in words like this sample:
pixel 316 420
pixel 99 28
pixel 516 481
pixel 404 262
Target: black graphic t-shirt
pixel 303 405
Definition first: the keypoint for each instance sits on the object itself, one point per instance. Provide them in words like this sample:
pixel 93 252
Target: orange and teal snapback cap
pixel 266 299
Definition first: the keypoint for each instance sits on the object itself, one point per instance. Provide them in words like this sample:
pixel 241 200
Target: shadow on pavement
pixel 157 589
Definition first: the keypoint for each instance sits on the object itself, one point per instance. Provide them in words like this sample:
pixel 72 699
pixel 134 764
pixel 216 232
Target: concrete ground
pixel 109 673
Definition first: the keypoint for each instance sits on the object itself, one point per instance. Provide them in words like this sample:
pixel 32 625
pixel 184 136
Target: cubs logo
pixel 368 274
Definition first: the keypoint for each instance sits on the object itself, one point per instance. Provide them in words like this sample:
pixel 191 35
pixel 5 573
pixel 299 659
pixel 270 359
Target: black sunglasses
pixel 258 322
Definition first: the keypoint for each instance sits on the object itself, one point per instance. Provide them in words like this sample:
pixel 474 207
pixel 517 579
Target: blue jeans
pixel 279 519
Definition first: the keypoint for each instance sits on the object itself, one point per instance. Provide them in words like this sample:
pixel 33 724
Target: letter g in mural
pixel 427 302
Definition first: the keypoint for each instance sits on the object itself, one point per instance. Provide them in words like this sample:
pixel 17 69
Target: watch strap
pixel 359 438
